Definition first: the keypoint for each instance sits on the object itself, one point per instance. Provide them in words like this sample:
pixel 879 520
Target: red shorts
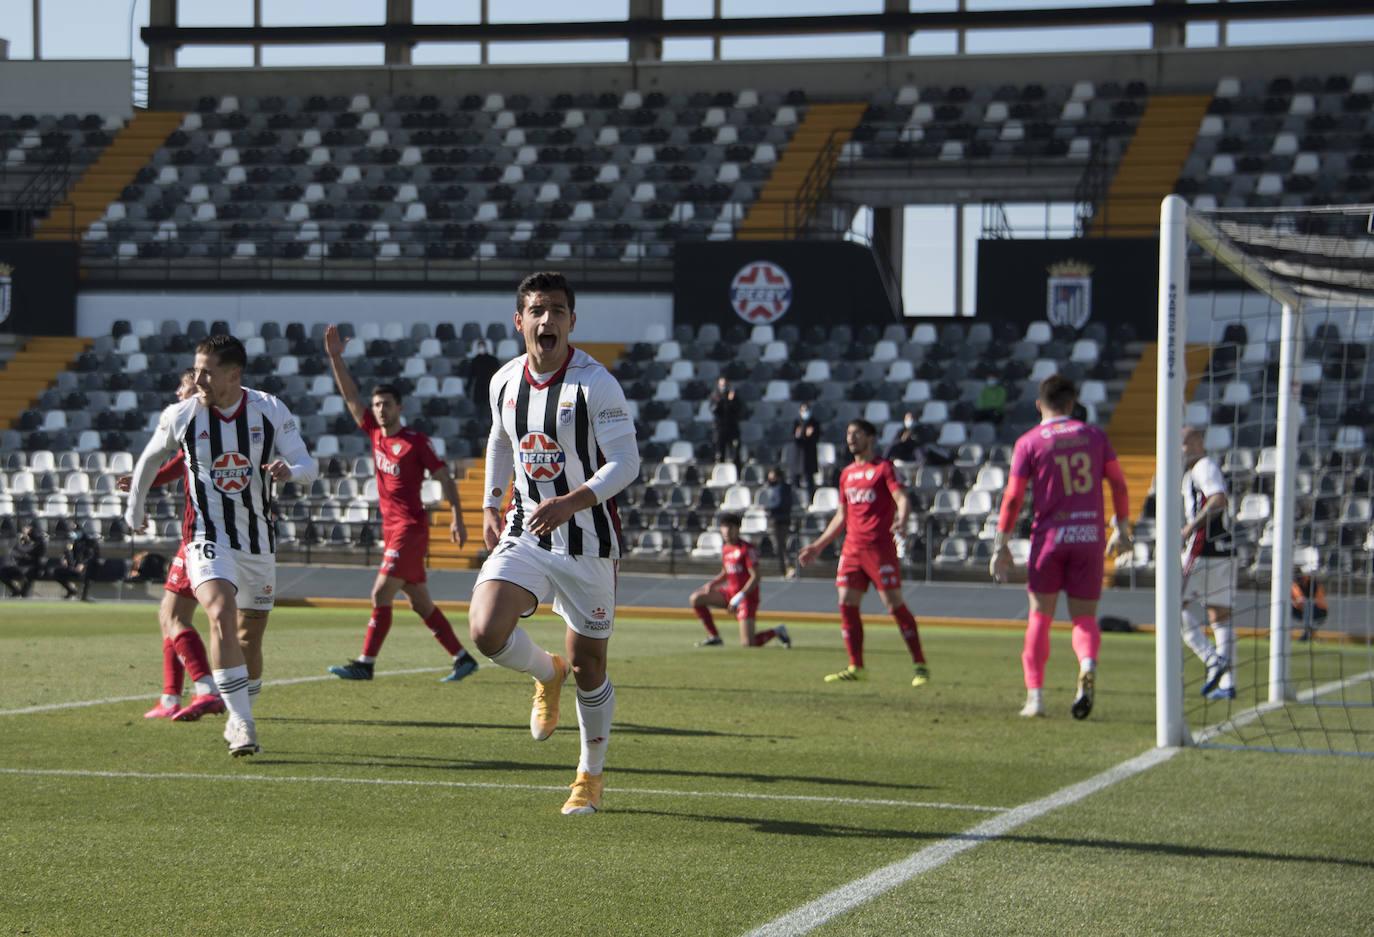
pixel 748 608
pixel 871 564
pixel 404 553
pixel 178 582
pixel 1072 568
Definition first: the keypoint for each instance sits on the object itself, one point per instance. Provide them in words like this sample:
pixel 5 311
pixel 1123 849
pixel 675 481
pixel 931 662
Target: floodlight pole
pixel 1173 332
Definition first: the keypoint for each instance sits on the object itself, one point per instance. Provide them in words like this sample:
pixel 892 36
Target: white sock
pixel 1226 647
pixel 254 688
pixel 1035 697
pixel 233 689
pixel 1087 665
pixel 366 659
pixel 522 654
pixel 594 711
pixel 205 686
pixel 1196 638
pixel 168 700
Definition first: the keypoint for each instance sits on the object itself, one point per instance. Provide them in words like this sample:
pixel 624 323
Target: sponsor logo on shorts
pixel 231 472
pixel 596 624
pixel 541 457
pixel 598 613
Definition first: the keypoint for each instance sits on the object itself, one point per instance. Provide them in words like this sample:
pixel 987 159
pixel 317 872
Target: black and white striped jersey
pixel 556 432
pixel 1200 482
pixel 228 488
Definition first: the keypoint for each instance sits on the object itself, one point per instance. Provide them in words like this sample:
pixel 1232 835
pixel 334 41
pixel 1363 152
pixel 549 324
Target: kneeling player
pixel 736 587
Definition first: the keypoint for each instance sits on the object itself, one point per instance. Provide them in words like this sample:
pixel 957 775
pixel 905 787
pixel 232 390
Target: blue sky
pixel 102 29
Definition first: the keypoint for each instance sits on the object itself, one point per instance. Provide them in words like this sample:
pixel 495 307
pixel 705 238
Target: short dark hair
pixel 1058 392
pixel 391 389
pixel 732 520
pixel 226 348
pixel 545 281
pixel 188 375
pixel 864 425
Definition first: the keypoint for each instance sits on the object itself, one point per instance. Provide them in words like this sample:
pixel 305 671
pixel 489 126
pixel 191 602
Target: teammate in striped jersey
pixel 1209 569
pixel 563 440
pixel 182 650
pixel 401 456
pixel 235 442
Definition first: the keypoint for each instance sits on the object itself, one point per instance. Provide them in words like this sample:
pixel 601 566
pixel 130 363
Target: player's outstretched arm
pixel 163 443
pixel 334 345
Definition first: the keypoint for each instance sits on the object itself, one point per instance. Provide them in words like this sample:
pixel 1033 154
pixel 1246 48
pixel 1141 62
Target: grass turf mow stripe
pixel 809 916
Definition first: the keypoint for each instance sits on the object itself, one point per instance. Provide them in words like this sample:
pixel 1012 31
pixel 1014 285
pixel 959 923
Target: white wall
pixel 601 317
pixel 104 87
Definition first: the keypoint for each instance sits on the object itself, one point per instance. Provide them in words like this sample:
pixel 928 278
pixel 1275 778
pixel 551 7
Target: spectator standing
pixel 776 501
pixel 726 410
pixel 802 461
pixel 480 369
pixel 25 560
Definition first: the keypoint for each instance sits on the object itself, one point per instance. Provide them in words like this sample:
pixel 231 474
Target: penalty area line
pixel 486 785
pixel 813 914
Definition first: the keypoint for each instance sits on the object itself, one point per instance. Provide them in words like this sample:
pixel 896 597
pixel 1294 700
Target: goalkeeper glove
pixel 1120 541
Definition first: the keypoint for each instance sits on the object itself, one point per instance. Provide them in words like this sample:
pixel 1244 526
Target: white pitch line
pixel 809 916
pixel 1247 716
pixel 77 704
pixel 489 785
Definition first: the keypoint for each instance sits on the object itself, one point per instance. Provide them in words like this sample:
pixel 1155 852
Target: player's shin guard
pixel 1195 637
pixel 172 669
pixel 1087 638
pixel 1037 649
pixel 852 630
pixel 906 623
pixel 377 628
pixel 594 711
pixel 443 632
pixel 522 654
pixel 233 689
pixel 704 614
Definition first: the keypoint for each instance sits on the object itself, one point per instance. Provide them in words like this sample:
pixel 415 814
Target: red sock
pixel 191 650
pixel 704 614
pixel 443 632
pixel 763 637
pixel 852 629
pixel 906 622
pixel 172 669
pixel 377 627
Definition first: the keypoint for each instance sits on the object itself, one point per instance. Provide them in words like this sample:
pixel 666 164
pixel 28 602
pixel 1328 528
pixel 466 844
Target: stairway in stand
pixel 33 370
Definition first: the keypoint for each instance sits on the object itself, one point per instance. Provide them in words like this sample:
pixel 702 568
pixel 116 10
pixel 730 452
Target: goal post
pixel 1302 275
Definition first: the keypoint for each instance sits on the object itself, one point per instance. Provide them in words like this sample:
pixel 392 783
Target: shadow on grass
pixel 627 728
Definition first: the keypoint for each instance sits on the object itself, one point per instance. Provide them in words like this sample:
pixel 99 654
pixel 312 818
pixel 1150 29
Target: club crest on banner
pixel 761 292
pixel 541 457
pixel 1069 293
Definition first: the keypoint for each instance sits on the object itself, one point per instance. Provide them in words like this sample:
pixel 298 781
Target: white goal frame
pixel 1178 225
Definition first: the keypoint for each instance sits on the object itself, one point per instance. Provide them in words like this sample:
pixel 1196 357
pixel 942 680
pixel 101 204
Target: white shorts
pixel 1212 581
pixel 253 575
pixel 583 587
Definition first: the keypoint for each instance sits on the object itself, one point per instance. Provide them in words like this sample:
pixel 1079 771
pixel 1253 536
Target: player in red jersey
pixel 736 587
pixel 873 510
pixel 1063 462
pixel 183 651
pixel 401 456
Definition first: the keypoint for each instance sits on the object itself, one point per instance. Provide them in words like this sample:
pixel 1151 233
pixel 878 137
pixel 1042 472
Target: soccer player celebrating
pixel 235 442
pixel 401 456
pixel 1208 566
pixel 182 650
pixel 873 511
pixel 1063 462
pixel 736 587
pixel 561 427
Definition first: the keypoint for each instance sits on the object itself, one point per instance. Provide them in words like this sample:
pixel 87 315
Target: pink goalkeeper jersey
pixel 1063 459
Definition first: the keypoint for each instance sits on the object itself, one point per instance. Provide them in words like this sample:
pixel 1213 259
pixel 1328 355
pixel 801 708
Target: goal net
pixel 1266 318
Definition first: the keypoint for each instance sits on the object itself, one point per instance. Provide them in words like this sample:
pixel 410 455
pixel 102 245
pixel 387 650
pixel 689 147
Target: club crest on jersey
pixel 565 412
pixel 868 474
pixel 255 433
pixel 541 457
pixel 231 472
pixel 396 448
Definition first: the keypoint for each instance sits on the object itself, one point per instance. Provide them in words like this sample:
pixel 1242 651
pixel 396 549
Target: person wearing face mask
pixel 907 446
pixel 991 405
pixel 801 460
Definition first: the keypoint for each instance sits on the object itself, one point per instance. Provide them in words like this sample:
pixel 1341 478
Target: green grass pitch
pixel 739 787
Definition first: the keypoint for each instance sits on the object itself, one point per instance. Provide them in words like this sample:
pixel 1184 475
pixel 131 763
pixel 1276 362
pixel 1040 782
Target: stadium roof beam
pixel 638 27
